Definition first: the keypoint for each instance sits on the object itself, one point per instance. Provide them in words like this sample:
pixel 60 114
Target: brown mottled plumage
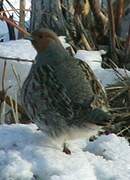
pixel 58 94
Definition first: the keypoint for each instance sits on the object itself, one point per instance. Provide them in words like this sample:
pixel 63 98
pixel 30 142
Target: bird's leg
pixel 66 149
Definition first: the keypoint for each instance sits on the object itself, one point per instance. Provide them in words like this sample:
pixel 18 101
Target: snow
pixel 63 41
pixel 27 152
pixel 3 31
pixel 17 49
pixel 106 76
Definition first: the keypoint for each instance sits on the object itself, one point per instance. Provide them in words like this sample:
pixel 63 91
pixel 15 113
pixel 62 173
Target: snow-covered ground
pixel 26 153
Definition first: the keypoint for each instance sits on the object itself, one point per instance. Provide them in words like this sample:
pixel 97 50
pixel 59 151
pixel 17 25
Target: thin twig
pixel 2 112
pixel 3 76
pixel 12 10
pixel 16 75
pixel 16 108
pixel 2 96
pixel 13 109
pixel 20 109
pixel 123 130
pixel 119 109
pixel 3 18
pixel 83 34
pixel 17 59
pixel 114 88
pixel 118 94
pixel 117 73
pixel 126 74
pixel 12 7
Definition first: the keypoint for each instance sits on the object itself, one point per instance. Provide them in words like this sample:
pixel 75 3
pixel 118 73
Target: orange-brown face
pixel 42 38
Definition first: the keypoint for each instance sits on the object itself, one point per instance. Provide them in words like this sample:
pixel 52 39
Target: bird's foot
pixel 66 149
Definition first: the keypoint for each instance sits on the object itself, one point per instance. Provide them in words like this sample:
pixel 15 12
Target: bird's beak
pixel 29 37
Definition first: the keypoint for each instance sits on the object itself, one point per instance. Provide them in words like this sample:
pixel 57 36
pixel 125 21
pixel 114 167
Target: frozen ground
pixel 27 154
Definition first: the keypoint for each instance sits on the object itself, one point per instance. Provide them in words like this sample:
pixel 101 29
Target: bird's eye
pixel 40 36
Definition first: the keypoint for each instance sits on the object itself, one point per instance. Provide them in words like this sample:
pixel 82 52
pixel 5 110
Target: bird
pixel 57 94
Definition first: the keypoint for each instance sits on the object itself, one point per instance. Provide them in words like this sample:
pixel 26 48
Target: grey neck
pixel 54 51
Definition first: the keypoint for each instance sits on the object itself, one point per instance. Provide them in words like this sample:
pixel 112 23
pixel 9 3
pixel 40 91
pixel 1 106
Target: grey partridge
pixel 57 94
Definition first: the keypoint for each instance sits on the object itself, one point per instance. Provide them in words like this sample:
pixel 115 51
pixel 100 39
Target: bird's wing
pixel 97 87
pixel 51 92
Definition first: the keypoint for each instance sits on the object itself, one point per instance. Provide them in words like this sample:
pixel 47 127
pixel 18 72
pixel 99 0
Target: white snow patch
pixel 26 152
pixel 3 31
pixel 63 41
pixel 94 59
pixel 19 49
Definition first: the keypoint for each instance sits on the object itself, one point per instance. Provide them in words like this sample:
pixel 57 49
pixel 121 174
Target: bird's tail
pixel 98 116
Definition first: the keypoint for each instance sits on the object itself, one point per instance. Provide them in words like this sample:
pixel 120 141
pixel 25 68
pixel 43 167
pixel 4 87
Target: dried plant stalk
pixel 2 112
pixel 3 18
pixel 112 25
pixel 16 59
pixel 19 107
pixel 13 110
pixel 127 49
pixel 100 19
pixel 2 96
pixel 119 13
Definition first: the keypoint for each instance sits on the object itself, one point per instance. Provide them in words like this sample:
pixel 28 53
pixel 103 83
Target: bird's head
pixel 42 38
